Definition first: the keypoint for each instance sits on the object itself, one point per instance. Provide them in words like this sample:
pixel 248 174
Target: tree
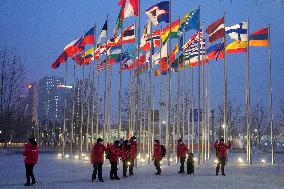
pixel 12 75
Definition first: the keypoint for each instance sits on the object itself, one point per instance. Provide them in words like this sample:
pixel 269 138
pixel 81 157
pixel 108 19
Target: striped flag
pixel 216 30
pixel 101 66
pixel 191 53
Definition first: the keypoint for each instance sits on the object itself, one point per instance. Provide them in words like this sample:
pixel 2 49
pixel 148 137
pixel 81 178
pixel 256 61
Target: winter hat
pixel 116 142
pixel 157 141
pixel 32 141
pixel 222 139
pixel 133 138
pixel 100 140
pixel 179 140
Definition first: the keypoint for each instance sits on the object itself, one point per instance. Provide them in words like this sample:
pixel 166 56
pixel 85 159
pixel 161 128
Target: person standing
pixel 113 158
pixel 133 154
pixel 221 154
pixel 97 159
pixel 125 156
pixel 181 154
pixel 31 157
pixel 157 156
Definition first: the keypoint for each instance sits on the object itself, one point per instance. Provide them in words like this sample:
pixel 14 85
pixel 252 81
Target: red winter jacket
pixel 97 154
pixel 31 154
pixel 157 155
pixel 181 150
pixel 221 149
pixel 133 149
pixel 125 152
pixel 114 153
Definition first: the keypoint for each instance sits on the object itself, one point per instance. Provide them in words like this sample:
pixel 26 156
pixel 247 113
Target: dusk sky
pixel 41 29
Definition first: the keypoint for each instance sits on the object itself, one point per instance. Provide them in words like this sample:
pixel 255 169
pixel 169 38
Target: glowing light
pixel 76 157
pixel 29 86
pixel 143 160
pixel 83 155
pixel 128 163
pixel 186 155
pixel 263 161
pixel 161 162
pixel 255 130
pixel 59 155
pixel 223 126
pixel 86 158
pixel 147 155
pixel 171 159
pixel 67 156
pixel 240 160
pixel 265 144
pixel 164 122
pixel 194 159
pixel 216 161
pixel 64 86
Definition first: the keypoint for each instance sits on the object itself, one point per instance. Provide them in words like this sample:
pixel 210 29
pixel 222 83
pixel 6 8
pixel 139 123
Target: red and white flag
pixel 129 8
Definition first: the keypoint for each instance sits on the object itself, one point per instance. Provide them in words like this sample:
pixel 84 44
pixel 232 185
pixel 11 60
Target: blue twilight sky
pixel 40 30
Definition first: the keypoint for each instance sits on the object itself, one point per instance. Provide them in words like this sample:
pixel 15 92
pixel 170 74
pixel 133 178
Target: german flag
pixel 259 38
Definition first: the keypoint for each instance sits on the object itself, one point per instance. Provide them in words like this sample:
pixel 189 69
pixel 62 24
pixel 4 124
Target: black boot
pixel 111 175
pixel 93 177
pixel 33 181
pixel 28 182
pixel 101 180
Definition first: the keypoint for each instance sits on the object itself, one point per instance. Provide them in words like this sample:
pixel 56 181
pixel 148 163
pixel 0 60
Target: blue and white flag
pixel 159 13
pixel 238 32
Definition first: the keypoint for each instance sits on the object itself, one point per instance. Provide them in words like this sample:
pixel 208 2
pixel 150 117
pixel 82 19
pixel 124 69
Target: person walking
pixel 221 154
pixel 133 154
pixel 181 154
pixel 113 158
pixel 97 159
pixel 31 157
pixel 157 156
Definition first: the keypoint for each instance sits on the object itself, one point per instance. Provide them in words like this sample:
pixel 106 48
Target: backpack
pixel 164 151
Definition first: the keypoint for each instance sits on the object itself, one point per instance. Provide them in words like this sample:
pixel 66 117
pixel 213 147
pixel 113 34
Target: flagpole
pixel 184 101
pixel 73 112
pixel 93 93
pixel 248 99
pixel 88 109
pixel 105 90
pixel 109 96
pixel 203 102
pixel 82 110
pixel 189 103
pixel 160 108
pixel 198 119
pixel 270 97
pixel 224 126
pixel 192 111
pixel 120 82
pixel 98 103
pixel 169 95
pixel 208 110
pixel 64 119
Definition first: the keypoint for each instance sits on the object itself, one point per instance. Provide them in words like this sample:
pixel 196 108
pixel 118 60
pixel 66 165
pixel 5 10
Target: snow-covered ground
pixel 55 173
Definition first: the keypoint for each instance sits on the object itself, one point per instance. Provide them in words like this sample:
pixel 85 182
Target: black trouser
pixel 182 160
pixel 30 173
pixel 131 166
pixel 190 167
pixel 158 165
pixel 222 162
pixel 98 168
pixel 113 169
pixel 125 165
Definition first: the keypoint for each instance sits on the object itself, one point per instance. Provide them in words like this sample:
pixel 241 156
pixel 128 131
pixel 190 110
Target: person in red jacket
pixel 221 154
pixel 181 154
pixel 133 154
pixel 31 158
pixel 97 159
pixel 157 156
pixel 113 158
pixel 125 156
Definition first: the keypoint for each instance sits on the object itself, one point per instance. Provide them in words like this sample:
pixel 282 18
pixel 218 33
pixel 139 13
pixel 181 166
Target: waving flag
pixel 103 33
pixel 259 38
pixel 190 21
pixel 128 37
pixel 88 38
pixel 129 8
pixel 198 36
pixel 102 65
pixel 146 42
pixel 159 13
pixel 60 60
pixel 238 32
pixel 215 51
pixel 170 29
pixel 216 30
pixel 237 47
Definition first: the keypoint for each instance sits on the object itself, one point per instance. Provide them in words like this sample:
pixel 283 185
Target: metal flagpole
pixel 160 108
pixel 270 97
pixel 109 98
pixel 93 93
pixel 98 103
pixel 198 118
pixel 64 120
pixel 208 111
pixel 192 112
pixel 203 101
pixel 82 111
pixel 120 83
pixel 73 112
pixel 105 92
pixel 248 120
pixel 184 101
pixel 88 109
pixel 225 92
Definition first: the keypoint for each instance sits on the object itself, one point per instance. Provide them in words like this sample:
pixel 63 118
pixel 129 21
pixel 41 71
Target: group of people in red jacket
pixel 127 151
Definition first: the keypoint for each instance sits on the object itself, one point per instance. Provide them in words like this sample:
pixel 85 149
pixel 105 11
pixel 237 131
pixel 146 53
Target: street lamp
pixel 223 126
pixel 164 122
pixel 0 132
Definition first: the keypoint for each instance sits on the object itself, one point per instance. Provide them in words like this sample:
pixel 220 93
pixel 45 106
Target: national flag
pixel 102 65
pixel 171 29
pixel 198 36
pixel 88 38
pixel 126 60
pixel 216 30
pixel 103 33
pixel 114 53
pixel 128 37
pixel 177 64
pixel 237 47
pixel 138 62
pixel 141 69
pixel 60 60
pixel 118 24
pixel 192 51
pixel 73 47
pixel 83 58
pixel 259 38
pixel 159 12
pixel 163 68
pixel 238 32
pixel 174 52
pixel 190 21
pixel 129 8
pixel 215 51
pixel 162 53
pixel 146 41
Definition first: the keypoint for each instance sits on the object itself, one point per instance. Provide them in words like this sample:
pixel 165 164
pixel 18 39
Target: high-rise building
pixel 51 91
